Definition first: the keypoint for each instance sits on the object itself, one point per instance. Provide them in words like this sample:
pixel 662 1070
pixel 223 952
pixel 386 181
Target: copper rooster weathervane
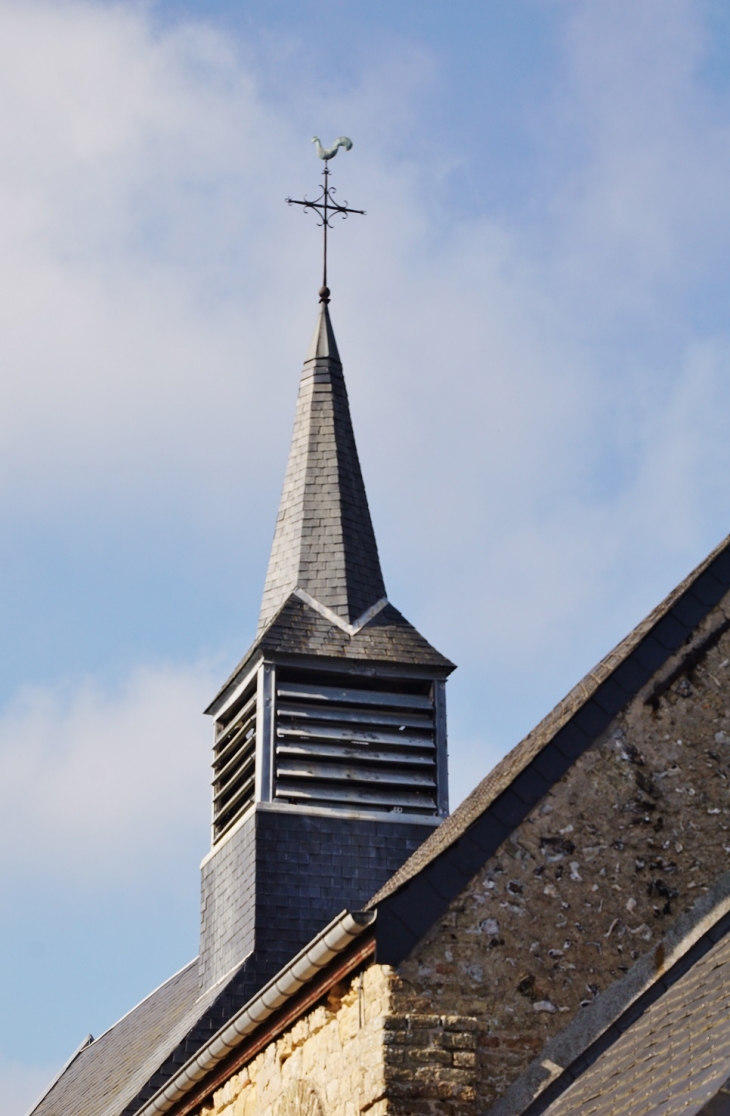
pixel 325 205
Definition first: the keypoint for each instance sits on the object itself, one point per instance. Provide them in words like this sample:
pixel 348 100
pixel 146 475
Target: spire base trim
pixel 332 616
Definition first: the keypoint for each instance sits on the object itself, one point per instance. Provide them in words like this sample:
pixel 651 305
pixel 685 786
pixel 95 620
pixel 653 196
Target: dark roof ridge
pixel 571 1051
pixel 504 798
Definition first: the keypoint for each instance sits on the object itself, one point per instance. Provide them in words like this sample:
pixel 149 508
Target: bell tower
pixel 329 755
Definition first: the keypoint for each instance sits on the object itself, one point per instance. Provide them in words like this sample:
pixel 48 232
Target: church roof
pixel 106 1075
pixel 324 543
pixel 324 594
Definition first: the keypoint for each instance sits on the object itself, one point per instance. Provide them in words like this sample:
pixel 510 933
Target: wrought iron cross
pixel 325 206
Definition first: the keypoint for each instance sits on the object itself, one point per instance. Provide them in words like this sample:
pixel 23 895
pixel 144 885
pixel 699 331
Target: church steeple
pixel 329 760
pixel 324 544
pixel 329 754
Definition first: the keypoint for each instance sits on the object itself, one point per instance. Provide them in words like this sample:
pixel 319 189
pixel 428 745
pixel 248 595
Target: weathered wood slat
pixel 222 731
pixel 329 751
pixel 245 768
pixel 325 732
pixel 354 797
pixel 344 773
pixel 233 809
pixel 299 691
pixel 240 798
pixel 249 725
pixel 350 716
pixel 247 746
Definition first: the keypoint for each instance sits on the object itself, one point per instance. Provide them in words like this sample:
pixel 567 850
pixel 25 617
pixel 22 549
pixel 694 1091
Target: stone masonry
pixel 351 1054
pixel 627 840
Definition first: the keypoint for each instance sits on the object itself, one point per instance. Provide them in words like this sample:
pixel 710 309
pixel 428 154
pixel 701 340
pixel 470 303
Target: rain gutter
pixel 333 940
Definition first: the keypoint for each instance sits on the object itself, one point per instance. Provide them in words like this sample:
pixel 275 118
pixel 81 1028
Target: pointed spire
pixel 324 543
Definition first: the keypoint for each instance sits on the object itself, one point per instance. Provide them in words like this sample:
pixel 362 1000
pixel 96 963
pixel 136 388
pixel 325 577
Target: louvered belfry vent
pixel 234 763
pixel 351 748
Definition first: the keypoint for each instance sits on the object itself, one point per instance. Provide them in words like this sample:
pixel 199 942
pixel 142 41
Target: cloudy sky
pixel 535 322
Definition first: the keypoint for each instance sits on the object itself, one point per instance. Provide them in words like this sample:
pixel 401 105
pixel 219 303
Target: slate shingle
pixel 324 541
pixel 110 1072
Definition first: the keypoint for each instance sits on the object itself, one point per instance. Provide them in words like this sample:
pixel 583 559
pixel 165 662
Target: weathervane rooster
pixel 328 153
pixel 325 206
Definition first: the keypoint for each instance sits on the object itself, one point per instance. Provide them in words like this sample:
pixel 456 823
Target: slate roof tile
pixel 109 1073
pixel 672 1060
pixel 324 540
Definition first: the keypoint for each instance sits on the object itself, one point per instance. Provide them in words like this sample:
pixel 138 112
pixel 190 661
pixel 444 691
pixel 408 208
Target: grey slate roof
pixel 387 638
pixel 673 1059
pixel 324 541
pixel 419 892
pixel 110 1072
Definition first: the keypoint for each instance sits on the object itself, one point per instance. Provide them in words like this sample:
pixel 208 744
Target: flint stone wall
pixel 635 831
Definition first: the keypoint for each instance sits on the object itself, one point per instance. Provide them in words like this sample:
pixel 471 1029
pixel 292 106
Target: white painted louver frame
pixel 314 746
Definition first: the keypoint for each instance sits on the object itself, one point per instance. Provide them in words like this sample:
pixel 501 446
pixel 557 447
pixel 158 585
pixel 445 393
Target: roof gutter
pixel 333 940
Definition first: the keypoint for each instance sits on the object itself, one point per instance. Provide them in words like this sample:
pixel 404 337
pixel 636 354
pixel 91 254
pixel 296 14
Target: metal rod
pixel 326 222
pixel 326 207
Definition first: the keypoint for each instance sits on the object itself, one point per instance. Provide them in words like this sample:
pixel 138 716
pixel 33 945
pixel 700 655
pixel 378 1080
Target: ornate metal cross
pixel 325 206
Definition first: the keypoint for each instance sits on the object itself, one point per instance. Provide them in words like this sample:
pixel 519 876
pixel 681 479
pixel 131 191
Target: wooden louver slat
pixel 343 747
pixel 398 801
pixel 330 751
pixel 234 763
pixel 356 697
pixel 345 716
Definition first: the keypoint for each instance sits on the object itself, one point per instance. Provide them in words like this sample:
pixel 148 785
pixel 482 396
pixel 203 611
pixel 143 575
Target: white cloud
pixel 106 784
pixel 538 403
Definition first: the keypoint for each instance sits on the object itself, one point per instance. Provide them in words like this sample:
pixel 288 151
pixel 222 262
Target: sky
pixel 534 318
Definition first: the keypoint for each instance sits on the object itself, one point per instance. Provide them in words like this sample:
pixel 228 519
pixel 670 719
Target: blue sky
pixel 534 319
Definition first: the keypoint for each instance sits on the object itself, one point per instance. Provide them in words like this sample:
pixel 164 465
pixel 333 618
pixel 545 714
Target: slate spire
pixel 324 544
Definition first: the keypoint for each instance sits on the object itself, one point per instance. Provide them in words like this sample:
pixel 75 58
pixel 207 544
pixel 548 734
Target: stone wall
pixel 330 1062
pixel 632 834
pixel 351 1055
